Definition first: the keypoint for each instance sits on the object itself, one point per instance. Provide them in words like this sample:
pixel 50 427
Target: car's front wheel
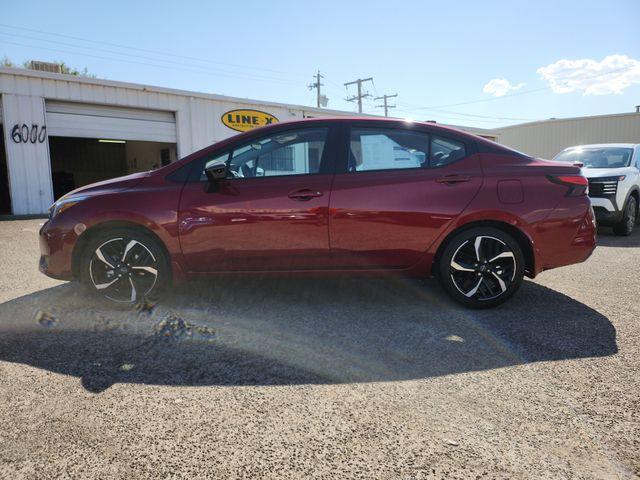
pixel 481 267
pixel 124 265
pixel 625 226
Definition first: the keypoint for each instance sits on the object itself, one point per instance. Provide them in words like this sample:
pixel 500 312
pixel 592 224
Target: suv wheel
pixel 124 265
pixel 481 267
pixel 625 226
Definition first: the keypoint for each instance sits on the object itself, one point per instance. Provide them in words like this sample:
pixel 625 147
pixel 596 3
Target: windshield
pixel 613 157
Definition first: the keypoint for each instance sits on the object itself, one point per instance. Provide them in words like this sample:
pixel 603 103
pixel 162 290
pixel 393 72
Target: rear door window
pixel 387 149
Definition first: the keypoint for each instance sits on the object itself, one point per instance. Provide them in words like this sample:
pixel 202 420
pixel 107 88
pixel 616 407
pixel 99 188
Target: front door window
pixel 290 153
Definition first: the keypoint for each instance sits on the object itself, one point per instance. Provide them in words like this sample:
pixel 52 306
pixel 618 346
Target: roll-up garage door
pixel 117 123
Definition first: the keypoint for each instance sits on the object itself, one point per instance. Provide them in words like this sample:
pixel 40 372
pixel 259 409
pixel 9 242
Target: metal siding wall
pixel 199 125
pixel 85 126
pixel 546 139
pixel 65 119
pixel 197 122
pixel 219 108
pixel 183 128
pixel 27 163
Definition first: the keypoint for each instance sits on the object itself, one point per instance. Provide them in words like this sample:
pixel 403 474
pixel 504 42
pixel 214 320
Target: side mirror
pixel 216 172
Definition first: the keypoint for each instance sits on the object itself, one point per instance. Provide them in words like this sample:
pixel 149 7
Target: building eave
pixel 23 72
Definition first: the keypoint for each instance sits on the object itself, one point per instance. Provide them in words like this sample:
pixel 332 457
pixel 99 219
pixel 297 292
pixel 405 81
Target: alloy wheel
pixel 631 214
pixel 123 270
pixel 483 268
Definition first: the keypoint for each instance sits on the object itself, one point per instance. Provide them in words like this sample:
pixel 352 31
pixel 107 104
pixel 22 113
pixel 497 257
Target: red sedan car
pixel 346 195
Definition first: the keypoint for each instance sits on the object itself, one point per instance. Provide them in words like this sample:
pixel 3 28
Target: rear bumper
pixel 56 250
pixel 564 240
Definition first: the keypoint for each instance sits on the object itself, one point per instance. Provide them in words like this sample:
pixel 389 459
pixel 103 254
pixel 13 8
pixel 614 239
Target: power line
pixel 385 104
pixel 331 82
pixel 447 119
pixel 360 95
pixel 451 112
pixel 155 52
pixel 203 72
pixel 173 62
pixel 246 75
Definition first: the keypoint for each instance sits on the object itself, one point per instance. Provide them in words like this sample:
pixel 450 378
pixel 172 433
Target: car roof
pixel 605 145
pixel 358 119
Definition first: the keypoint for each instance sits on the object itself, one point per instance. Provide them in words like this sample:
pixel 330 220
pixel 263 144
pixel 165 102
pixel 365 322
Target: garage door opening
pixel 5 198
pixel 76 162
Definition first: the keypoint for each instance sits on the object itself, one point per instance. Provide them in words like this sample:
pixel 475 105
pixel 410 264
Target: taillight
pixel 578 185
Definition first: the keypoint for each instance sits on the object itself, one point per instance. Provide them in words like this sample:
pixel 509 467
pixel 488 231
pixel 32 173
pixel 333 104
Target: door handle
pixel 304 194
pixel 452 179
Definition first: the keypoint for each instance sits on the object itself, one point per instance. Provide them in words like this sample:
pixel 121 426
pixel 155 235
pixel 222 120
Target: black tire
pixel 473 276
pixel 141 276
pixel 630 213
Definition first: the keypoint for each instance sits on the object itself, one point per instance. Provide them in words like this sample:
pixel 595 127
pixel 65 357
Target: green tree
pixel 6 62
pixel 64 68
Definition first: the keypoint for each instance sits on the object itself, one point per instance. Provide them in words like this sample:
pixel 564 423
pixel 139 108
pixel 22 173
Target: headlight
pixel 64 204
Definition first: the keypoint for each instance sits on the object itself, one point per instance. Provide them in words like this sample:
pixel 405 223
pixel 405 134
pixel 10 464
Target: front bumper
pixel 57 240
pixel 607 217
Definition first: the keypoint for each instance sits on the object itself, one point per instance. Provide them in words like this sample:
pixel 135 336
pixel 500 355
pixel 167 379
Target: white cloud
pixel 612 75
pixel 499 87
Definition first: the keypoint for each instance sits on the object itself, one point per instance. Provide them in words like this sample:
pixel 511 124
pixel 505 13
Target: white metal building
pixel 61 132
pixel 546 138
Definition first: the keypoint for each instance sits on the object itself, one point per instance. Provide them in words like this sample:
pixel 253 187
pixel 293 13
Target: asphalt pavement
pixel 321 377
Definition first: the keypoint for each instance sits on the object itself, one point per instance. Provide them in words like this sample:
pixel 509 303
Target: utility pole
pixel 360 95
pixel 317 86
pixel 386 106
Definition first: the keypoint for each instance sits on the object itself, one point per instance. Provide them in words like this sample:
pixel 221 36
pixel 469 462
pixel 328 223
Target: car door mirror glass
pixel 216 171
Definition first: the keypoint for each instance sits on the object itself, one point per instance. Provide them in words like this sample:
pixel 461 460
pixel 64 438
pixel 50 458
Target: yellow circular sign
pixel 245 120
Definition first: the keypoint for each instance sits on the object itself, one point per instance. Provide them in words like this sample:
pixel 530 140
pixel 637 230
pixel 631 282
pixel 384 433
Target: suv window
pixel 386 149
pixel 296 152
pixel 597 157
pixel 445 151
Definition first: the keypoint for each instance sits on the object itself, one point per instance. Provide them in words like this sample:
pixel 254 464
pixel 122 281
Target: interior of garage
pixel 76 162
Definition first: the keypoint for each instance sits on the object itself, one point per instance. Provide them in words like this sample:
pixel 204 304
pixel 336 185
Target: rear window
pixel 445 151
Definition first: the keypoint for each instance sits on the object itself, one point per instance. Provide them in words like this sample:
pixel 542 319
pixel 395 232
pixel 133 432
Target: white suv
pixel 614 181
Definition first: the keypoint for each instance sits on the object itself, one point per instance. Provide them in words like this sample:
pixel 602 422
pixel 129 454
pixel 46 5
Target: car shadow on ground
pixel 291 331
pixel 606 238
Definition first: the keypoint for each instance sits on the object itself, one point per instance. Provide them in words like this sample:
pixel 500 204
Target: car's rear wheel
pixel 124 265
pixel 625 226
pixel 481 267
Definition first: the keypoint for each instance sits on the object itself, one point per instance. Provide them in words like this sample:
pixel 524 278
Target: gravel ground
pixel 333 378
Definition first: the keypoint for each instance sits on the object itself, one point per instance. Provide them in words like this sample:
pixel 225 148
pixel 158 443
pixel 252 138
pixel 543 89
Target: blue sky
pixel 448 61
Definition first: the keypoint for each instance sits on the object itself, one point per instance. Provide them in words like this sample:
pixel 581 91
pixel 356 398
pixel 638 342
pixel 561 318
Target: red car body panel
pixel 256 226
pixel 391 221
